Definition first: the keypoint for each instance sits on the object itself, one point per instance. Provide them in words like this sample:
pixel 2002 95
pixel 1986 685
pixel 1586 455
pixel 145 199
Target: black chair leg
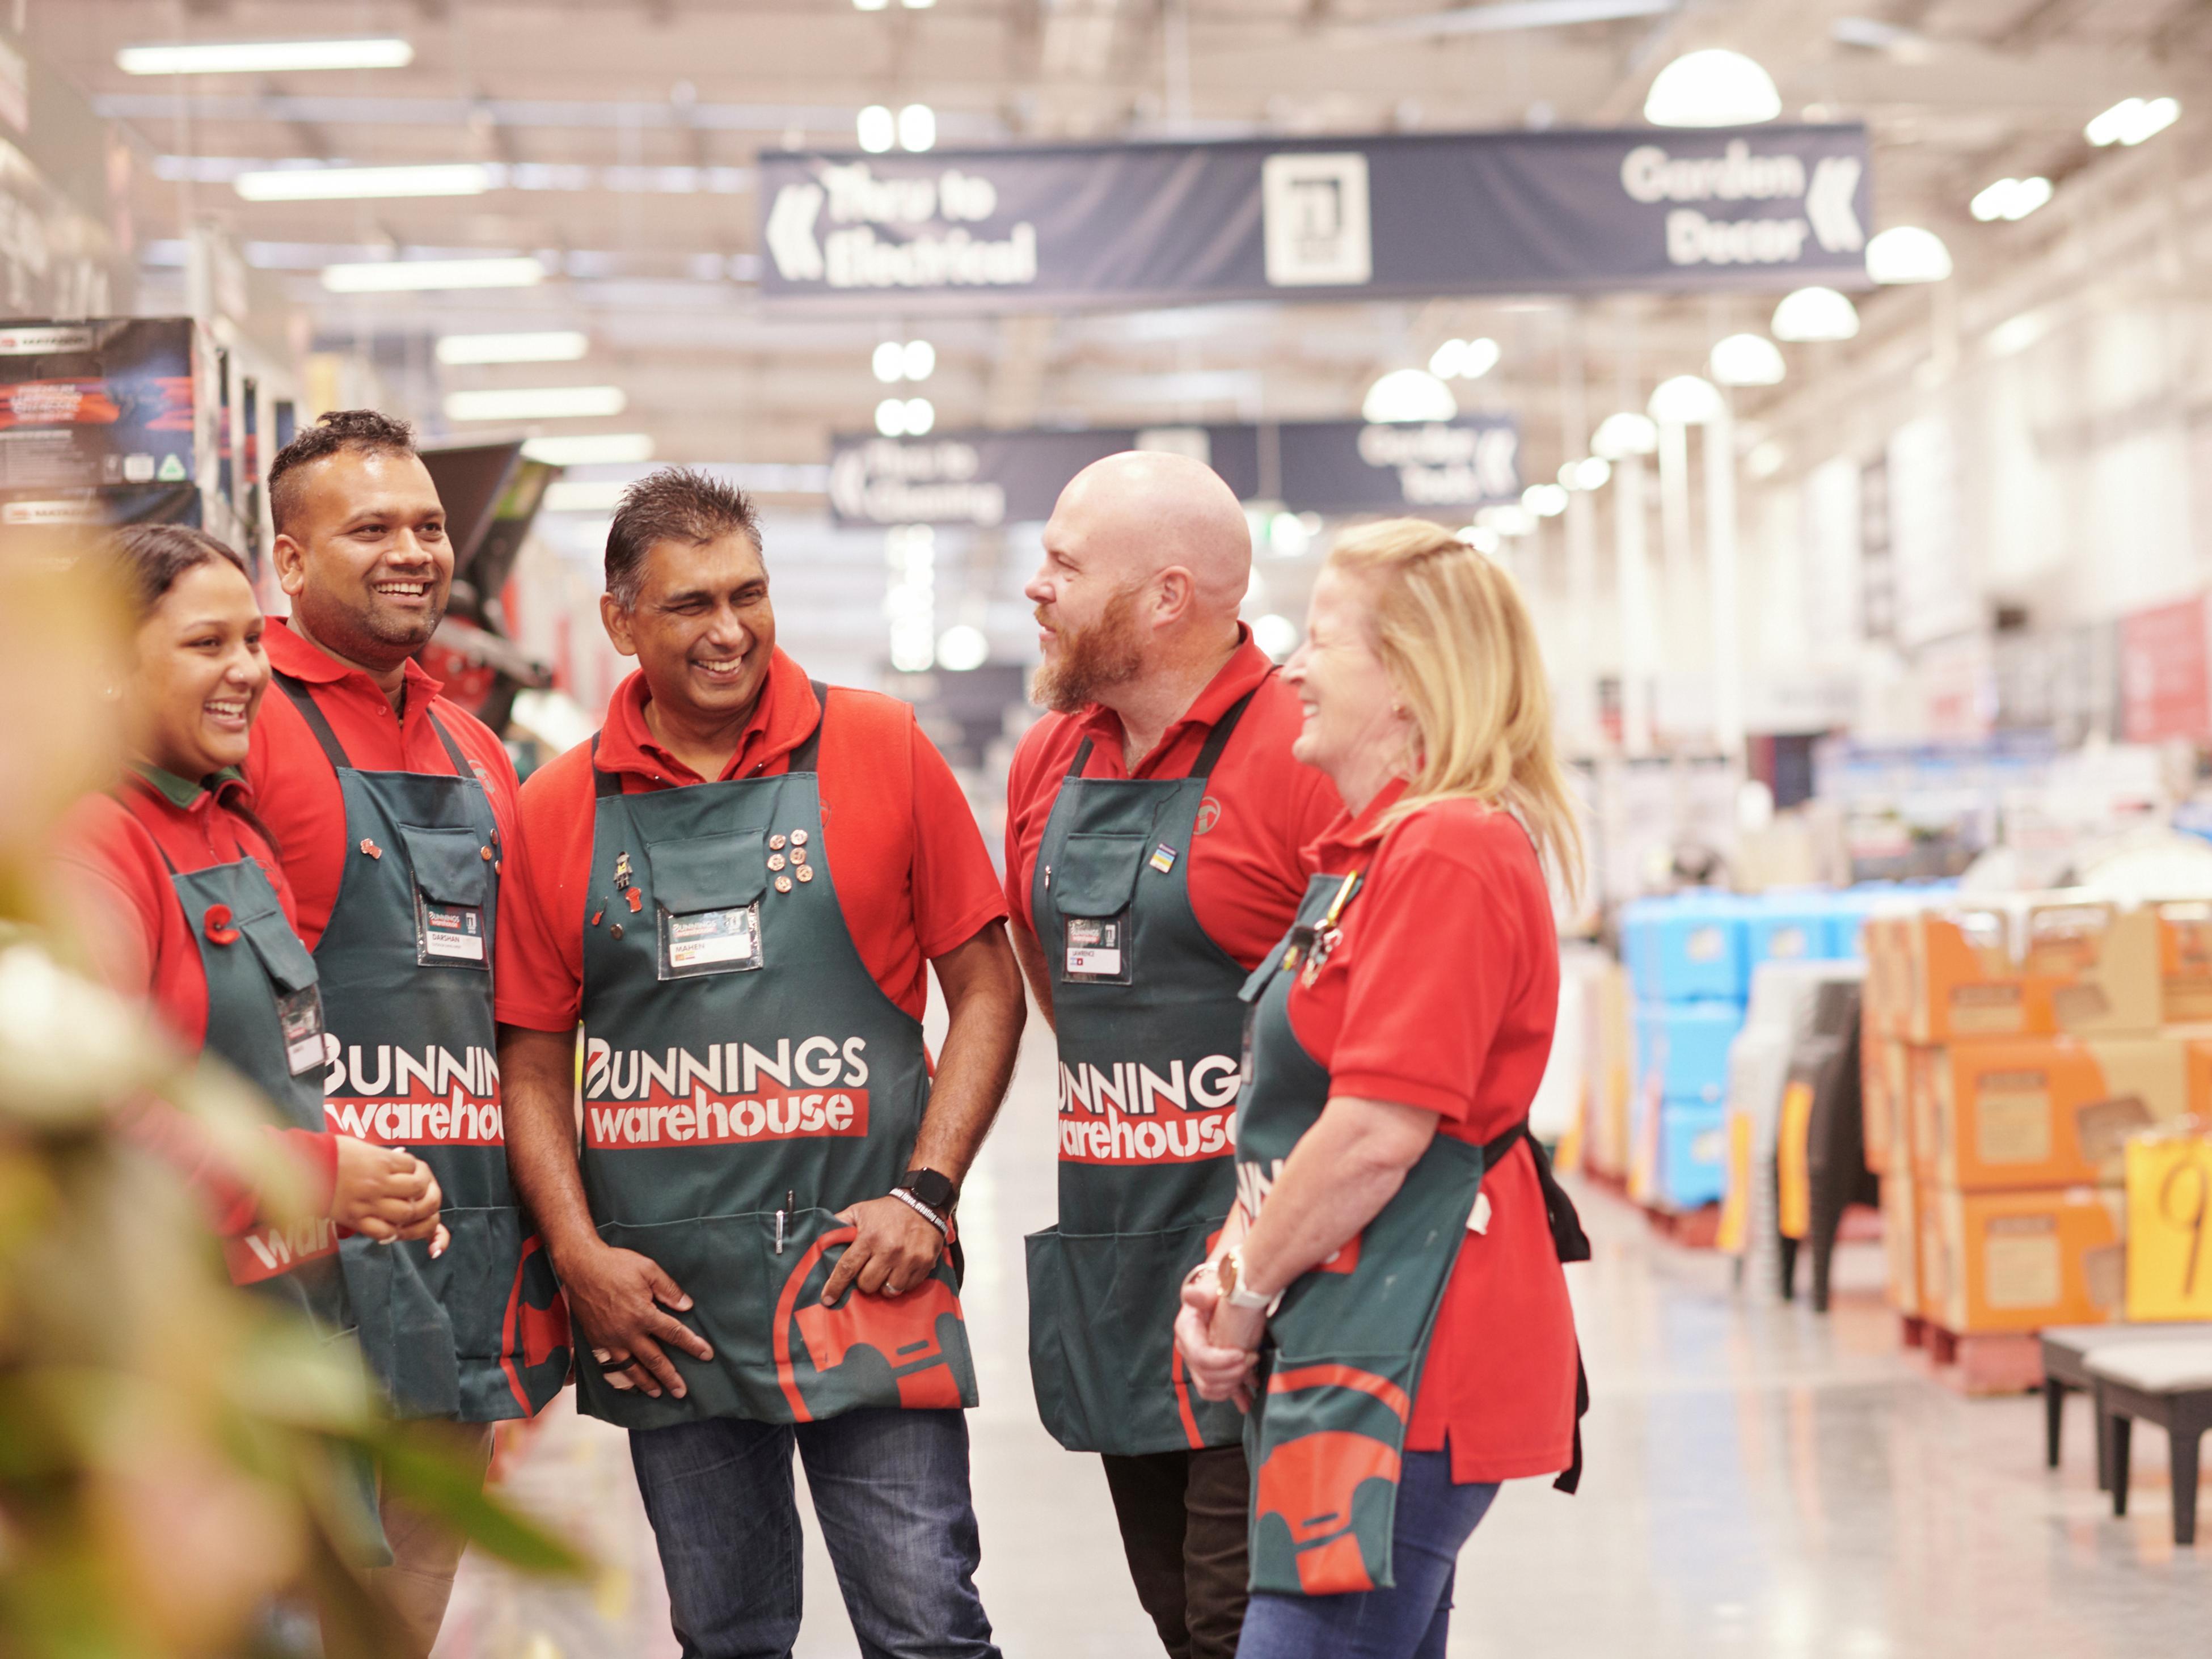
pixel 2054 1418
pixel 2104 1444
pixel 1786 1261
pixel 1826 1220
pixel 2181 1443
pixel 2118 1431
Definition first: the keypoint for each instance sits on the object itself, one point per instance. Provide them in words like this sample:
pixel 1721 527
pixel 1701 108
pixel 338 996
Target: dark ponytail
pixel 150 557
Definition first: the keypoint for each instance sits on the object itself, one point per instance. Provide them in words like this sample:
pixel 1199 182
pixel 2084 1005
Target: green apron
pixel 1343 1363
pixel 1145 1006
pixel 481 1333
pixel 745 1078
pixel 265 1021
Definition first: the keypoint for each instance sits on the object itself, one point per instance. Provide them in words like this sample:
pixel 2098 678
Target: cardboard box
pixel 2019 1261
pixel 1900 1241
pixel 1887 1000
pixel 1684 1045
pixel 1882 1091
pixel 2184 960
pixel 2034 966
pixel 1693 1163
pixel 1921 1062
pixel 2053 1111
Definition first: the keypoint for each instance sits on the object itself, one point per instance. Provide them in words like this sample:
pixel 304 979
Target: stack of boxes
pixel 1690 960
pixel 2012 1045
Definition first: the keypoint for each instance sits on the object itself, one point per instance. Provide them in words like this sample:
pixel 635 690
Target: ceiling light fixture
pixel 920 416
pixel 583 494
pixel 1276 634
pixel 593 449
pixel 553 346
pixel 1747 359
pixel 961 647
pixel 1813 315
pixel 2011 199
pixel 877 129
pixel 1591 473
pixel 1619 437
pixel 1765 460
pixel 1481 537
pixel 537 402
pixel 1409 394
pixel 919 359
pixel 889 361
pixel 2132 121
pixel 1507 519
pixel 1686 400
pixel 264 57
pixel 891 417
pixel 870 5
pixel 424 275
pixel 1545 500
pixel 917 127
pixel 1464 360
pixel 363 183
pixel 1712 88
pixel 1906 253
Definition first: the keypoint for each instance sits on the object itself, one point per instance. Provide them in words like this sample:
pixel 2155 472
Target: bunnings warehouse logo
pixel 934 247
pixel 396 1097
pixel 1112 1114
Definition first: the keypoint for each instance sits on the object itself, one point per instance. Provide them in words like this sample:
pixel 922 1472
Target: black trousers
pixel 1182 1516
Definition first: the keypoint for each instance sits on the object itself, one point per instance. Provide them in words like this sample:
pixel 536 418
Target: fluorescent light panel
pixel 584 495
pixel 420 276
pixel 544 403
pixel 593 449
pixel 363 183
pixel 553 346
pixel 264 57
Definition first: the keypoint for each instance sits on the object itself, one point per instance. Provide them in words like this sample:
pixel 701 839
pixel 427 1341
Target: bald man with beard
pixel 1156 826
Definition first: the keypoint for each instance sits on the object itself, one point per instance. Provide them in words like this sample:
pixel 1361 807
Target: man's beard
pixel 1106 654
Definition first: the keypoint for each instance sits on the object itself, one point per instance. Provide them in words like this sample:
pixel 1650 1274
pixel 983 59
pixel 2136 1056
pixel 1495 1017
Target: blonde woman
pixel 1388 1303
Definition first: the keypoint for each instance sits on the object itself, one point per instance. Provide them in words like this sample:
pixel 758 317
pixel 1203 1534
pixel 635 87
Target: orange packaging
pixel 1885 1000
pixel 2053 1111
pixel 2084 967
pixel 2019 1261
pixel 1900 1241
pixel 1920 1067
pixel 2184 960
pixel 1881 1090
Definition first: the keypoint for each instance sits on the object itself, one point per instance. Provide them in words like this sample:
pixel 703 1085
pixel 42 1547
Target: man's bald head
pixel 1142 512
pixel 1146 558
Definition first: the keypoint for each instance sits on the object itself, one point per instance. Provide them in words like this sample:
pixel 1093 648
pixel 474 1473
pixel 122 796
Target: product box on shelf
pixel 2184 960
pixel 2019 1261
pixel 1686 947
pixel 1900 1241
pixel 2053 1111
pixel 2032 965
pixel 1882 1097
pixel 1787 927
pixel 1685 1046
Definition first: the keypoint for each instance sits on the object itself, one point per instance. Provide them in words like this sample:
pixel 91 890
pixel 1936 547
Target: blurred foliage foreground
pixel 175 1454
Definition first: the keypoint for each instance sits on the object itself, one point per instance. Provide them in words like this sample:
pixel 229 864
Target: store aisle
pixel 1760 1482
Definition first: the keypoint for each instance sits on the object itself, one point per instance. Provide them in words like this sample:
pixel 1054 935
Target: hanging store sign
pixel 2166 672
pixel 96 405
pixel 1768 207
pixel 985 478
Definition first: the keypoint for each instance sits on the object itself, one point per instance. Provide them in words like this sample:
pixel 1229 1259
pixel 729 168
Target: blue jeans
pixel 1407 1621
pixel 891 1492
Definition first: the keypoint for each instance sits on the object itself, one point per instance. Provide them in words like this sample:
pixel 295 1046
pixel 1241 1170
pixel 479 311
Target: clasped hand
pixel 1220 1343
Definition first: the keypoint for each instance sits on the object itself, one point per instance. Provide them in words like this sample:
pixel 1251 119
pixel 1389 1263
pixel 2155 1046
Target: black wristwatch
pixel 931 1187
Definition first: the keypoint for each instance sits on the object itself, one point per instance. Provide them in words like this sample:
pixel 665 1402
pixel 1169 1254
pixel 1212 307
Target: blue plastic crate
pixel 1789 928
pixel 1697 951
pixel 1686 1043
pixel 1692 1154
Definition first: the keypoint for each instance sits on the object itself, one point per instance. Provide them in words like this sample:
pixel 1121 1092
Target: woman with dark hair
pixel 187 906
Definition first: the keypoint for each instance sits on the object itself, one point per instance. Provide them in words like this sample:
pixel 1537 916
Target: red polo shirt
pixel 296 790
pixel 110 856
pixel 1248 863
pixel 1442 995
pixel 900 843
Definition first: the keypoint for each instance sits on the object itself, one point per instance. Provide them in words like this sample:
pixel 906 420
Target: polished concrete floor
pixel 1760 1482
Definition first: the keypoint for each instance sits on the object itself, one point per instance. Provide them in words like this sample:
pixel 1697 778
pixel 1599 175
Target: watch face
pixel 931 1187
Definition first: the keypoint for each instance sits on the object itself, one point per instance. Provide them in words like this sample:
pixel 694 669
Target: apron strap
pixel 1082 759
pixel 605 785
pixel 318 722
pixel 1572 1244
pixel 1224 729
pixel 807 757
pixel 461 767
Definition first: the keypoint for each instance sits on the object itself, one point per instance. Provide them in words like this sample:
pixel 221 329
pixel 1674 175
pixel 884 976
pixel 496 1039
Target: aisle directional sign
pixel 985 478
pixel 1397 214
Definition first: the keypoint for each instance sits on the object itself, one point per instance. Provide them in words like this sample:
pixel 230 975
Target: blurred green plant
pixel 176 1456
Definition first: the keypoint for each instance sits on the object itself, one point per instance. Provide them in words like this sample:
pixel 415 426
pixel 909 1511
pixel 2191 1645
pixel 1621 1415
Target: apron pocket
pixel 475 1278
pixel 1325 1450
pixel 449 865
pixel 1098 874
pixel 909 1350
pixel 1102 1341
pixel 716 1261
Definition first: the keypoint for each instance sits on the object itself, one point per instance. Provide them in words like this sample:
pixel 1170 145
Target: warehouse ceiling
pixel 626 136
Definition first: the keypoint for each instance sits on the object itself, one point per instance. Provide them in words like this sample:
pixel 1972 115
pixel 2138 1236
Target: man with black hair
pixel 393 811
pixel 739 887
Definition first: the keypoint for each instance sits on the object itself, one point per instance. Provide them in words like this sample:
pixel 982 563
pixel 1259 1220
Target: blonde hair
pixel 1457 642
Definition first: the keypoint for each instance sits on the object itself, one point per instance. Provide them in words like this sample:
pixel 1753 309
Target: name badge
pixel 449 933
pixel 710 942
pixel 301 1017
pixel 1097 949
